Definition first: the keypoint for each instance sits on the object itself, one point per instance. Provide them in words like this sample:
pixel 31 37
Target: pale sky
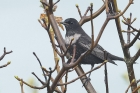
pixel 21 32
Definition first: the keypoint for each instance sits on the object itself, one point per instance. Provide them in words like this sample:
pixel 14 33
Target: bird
pixel 83 42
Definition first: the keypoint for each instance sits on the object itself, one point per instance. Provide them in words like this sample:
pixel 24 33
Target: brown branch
pixel 56 2
pixel 43 83
pixel 94 15
pixel 49 33
pixel 40 65
pixel 105 71
pixel 35 87
pixel 101 31
pixel 21 85
pixel 5 53
pixel 68 48
pixel 5 64
pixel 106 4
pixel 130 85
pixel 136 56
pixel 92 29
pixel 78 10
pixel 55 66
pixel 118 25
pixel 74 52
pixel 47 72
pixel 106 79
pixel 128 31
pixel 48 82
pixel 135 35
pixel 66 79
pixel 136 89
pixel 133 41
pixel 82 75
pixel 131 26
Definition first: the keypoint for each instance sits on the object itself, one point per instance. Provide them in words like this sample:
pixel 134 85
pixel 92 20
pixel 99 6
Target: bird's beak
pixel 64 23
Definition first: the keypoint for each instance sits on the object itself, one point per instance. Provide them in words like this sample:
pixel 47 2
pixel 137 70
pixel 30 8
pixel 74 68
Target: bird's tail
pixel 113 57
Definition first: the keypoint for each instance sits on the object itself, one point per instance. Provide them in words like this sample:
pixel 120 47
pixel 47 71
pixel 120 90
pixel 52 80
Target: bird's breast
pixel 68 39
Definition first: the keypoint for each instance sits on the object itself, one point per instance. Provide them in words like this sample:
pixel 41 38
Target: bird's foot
pixel 86 80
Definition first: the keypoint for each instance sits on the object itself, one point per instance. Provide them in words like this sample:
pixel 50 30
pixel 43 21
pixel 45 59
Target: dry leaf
pixel 58 20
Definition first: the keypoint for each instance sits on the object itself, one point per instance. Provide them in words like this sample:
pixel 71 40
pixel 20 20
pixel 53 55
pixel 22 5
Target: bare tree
pixel 51 24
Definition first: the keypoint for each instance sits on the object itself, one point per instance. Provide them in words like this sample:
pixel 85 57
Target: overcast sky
pixel 21 33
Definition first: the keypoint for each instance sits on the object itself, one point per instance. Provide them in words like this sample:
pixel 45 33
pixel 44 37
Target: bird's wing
pixel 85 42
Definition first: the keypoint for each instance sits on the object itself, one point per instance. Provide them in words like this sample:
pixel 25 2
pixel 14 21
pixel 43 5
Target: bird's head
pixel 71 24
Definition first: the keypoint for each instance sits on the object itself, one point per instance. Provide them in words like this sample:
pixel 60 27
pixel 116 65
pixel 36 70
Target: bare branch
pixel 43 83
pixel 101 31
pixel 66 79
pixel 133 41
pixel 94 15
pixel 136 56
pixel 129 85
pixel 5 53
pixel 82 75
pixel 56 2
pixel 5 65
pixel 35 87
pixel 78 10
pixel 135 35
pixel 21 85
pixel 136 89
pixel 40 65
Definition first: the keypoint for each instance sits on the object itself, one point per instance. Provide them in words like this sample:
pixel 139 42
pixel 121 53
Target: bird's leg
pixel 90 72
pixel 88 78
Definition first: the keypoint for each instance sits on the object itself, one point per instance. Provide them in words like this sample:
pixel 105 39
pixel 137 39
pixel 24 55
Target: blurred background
pixel 21 32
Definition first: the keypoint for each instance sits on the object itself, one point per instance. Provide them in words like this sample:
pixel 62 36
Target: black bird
pixel 83 43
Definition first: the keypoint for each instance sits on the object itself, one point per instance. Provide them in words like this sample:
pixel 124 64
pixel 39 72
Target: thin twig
pixel 135 35
pixel 133 41
pixel 55 66
pixel 74 52
pixel 101 31
pixel 85 18
pixel 136 56
pixel 92 28
pixel 35 87
pixel 56 2
pixel 43 83
pixel 82 75
pixel 48 82
pixel 79 10
pixel 106 79
pixel 66 79
pixel 87 11
pixel 106 75
pixel 40 65
pixel 21 85
pixel 136 89
pixel 5 53
pixel 130 85
pixel 68 47
pixel 5 65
